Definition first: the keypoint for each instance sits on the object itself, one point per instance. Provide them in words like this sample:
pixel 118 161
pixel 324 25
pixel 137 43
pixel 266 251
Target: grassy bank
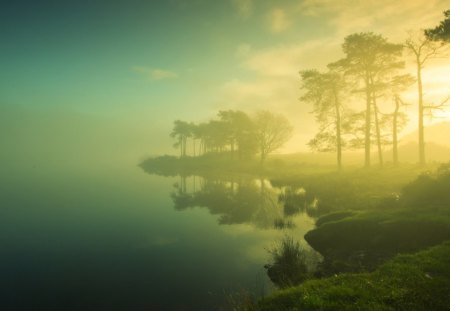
pixel 355 242
pixel 408 282
pixel 352 188
pixel 222 163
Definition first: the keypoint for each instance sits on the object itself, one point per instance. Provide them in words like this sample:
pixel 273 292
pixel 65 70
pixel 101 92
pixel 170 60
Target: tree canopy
pixel 234 132
pixel 442 31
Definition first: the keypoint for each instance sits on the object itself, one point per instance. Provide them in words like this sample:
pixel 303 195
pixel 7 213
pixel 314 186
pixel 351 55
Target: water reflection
pixel 242 199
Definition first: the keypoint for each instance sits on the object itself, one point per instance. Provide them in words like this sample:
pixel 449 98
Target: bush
pixel 289 265
pixel 429 189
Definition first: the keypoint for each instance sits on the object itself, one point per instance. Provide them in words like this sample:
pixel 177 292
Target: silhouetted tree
pixel 353 125
pixel 442 31
pixel 194 134
pixel 181 131
pixel 201 133
pixel 272 132
pixel 398 84
pixel 369 58
pixel 241 130
pixel 217 136
pixel 325 91
pixel 423 49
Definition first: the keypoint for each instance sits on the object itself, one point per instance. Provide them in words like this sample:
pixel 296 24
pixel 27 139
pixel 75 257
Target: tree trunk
pixel 232 149
pixel 377 124
pixel 420 121
pixel 263 156
pixel 394 132
pixel 184 146
pixel 338 132
pixel 377 129
pixel 368 121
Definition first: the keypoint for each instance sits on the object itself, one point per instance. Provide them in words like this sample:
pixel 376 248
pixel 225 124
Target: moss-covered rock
pixel 361 241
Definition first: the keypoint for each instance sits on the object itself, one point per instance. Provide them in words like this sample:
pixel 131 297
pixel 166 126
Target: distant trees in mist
pixel 371 73
pixel 233 132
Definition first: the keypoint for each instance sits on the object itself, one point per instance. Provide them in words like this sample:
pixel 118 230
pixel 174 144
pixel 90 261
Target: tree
pixel 272 132
pixel 201 132
pixel 398 84
pixel 353 125
pixel 423 49
pixel 181 131
pixel 324 92
pixel 241 130
pixel 196 134
pixel 217 136
pixel 440 32
pixel 369 58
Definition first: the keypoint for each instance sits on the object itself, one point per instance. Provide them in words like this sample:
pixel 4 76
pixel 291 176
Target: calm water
pixel 108 236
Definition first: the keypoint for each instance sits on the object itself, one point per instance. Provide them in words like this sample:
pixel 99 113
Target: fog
pixel 60 137
pixel 225 155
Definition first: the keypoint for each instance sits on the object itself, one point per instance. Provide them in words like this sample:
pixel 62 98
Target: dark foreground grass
pixel 361 241
pixel 408 282
pixel 396 230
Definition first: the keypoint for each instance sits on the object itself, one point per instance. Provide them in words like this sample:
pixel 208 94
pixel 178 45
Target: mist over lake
pixel 110 237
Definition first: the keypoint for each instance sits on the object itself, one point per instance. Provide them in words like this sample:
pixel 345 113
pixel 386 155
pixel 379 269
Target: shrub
pixel 289 265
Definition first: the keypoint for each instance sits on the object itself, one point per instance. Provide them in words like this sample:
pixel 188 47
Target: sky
pixel 121 72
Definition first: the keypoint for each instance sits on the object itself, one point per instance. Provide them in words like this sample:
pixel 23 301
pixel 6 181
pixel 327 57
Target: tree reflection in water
pixel 239 200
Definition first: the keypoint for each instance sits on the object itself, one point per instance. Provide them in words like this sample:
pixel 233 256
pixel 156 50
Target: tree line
pixel 371 71
pixel 233 132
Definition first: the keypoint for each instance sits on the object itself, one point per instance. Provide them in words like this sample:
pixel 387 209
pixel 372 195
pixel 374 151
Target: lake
pixel 109 236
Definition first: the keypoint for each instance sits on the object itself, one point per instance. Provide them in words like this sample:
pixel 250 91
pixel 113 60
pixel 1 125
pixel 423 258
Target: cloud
pixel 258 91
pixel 278 21
pixel 392 18
pixel 287 60
pixel 243 50
pixel 154 73
pixel 275 94
pixel 275 83
pixel 272 80
pixel 244 8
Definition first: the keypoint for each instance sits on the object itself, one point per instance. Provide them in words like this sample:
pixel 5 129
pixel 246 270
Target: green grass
pixel 408 282
pixel 362 239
